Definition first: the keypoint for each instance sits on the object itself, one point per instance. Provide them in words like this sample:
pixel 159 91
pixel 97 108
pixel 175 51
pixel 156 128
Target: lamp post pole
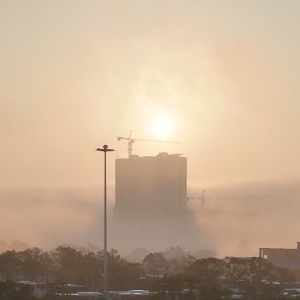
pixel 105 149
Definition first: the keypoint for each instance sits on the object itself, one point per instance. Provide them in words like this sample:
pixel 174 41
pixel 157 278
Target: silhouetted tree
pixel 178 259
pixel 178 265
pixel 204 274
pixel 206 270
pixel 76 265
pixel 10 264
pixel 67 259
pixel 173 271
pixel 122 274
pixel 253 276
pixel 9 291
pixel 34 263
pixel 155 264
pixel 283 275
pixel 253 269
pixel 237 269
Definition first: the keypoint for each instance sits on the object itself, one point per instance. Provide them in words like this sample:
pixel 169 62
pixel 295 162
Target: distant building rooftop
pixel 284 258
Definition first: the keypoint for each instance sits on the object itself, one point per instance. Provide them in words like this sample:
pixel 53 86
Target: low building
pixel 284 258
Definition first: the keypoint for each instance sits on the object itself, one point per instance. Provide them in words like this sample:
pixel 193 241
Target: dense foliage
pixel 8 291
pixel 171 272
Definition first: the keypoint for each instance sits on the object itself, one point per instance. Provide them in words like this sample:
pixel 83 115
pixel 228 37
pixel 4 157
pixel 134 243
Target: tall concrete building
pixel 151 185
pixel 151 204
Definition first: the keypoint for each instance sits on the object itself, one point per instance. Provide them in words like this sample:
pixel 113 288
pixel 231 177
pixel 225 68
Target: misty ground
pixel 231 221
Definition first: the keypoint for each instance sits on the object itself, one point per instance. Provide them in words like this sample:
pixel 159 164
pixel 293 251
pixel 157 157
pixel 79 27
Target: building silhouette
pixel 151 204
pixel 151 185
pixel 284 258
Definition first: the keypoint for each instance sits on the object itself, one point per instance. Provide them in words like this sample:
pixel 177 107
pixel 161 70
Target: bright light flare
pixel 162 127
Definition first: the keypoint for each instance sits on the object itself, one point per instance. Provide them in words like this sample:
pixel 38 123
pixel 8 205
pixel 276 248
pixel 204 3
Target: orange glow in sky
pixel 220 77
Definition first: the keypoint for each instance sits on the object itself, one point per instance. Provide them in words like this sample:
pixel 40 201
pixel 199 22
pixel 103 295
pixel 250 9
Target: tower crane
pixel 131 140
pixel 199 198
pixel 203 199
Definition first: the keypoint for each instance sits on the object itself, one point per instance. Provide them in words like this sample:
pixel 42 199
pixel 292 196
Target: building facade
pixel 284 258
pixel 151 184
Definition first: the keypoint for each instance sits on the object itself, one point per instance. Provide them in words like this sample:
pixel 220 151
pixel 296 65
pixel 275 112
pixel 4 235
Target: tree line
pixel 173 271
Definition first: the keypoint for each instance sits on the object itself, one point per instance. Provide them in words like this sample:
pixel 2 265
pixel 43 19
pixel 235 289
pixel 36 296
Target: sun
pixel 162 127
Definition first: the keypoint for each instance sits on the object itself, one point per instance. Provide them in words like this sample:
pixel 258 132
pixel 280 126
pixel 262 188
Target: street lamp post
pixel 105 149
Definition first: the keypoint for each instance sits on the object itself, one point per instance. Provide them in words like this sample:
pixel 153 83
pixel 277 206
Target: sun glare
pixel 161 127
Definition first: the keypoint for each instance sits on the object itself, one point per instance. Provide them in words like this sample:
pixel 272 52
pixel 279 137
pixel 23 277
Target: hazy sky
pixel 76 74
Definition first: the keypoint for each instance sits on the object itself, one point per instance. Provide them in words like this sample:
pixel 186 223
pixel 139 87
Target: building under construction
pixel 151 184
pixel 150 202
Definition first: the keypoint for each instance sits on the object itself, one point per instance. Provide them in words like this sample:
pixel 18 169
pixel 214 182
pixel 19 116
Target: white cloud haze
pixel 76 74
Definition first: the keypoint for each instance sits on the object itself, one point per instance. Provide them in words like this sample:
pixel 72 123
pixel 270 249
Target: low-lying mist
pixel 230 221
